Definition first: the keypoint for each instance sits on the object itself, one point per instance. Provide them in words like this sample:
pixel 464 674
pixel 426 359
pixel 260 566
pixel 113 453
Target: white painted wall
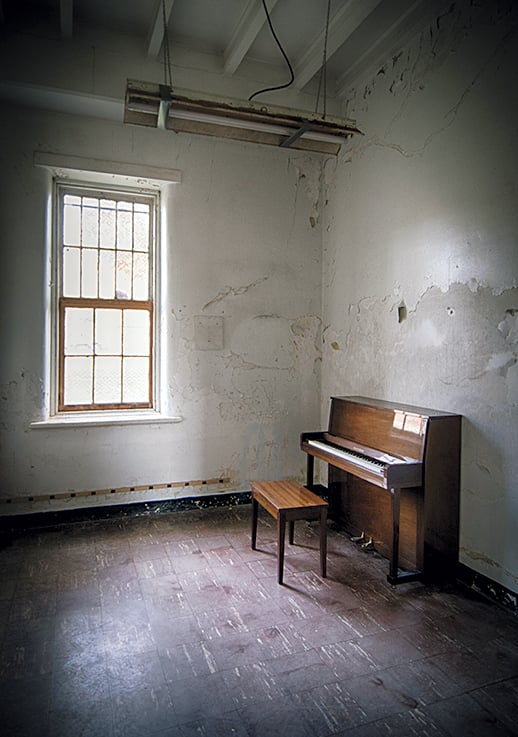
pixel 422 211
pixel 241 245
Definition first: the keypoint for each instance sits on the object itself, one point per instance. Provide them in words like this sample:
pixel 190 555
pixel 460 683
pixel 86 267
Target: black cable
pixel 292 74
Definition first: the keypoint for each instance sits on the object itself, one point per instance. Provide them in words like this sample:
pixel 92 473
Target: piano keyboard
pixel 358 459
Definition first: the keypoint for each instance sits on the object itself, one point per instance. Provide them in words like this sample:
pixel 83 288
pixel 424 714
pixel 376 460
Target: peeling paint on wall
pixel 233 292
pixel 311 181
pixel 423 214
pixel 240 254
pixel 428 342
pixel 406 77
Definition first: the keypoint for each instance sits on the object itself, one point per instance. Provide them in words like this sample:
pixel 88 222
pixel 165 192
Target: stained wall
pixel 394 266
pixel 420 256
pixel 241 265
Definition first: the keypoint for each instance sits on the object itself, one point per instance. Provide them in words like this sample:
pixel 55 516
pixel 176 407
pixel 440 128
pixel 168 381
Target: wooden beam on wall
pixel 156 35
pixel 245 33
pixel 341 26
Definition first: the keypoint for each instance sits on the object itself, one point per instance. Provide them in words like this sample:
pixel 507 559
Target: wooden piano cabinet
pixel 441 492
pixel 409 506
pixel 359 507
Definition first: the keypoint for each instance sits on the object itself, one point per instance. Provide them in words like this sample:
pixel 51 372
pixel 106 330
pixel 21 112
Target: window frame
pixel 101 190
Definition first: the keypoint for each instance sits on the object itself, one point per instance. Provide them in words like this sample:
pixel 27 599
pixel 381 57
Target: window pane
pixel 71 272
pixel 71 223
pixel 107 386
pixel 123 284
pixel 108 325
pixel 107 274
pixel 141 234
pixel 136 333
pixel 124 222
pixel 135 377
pixel 89 273
pixel 90 222
pixel 140 276
pixel 107 243
pixel 107 227
pixel 79 331
pixel 72 199
pixel 78 380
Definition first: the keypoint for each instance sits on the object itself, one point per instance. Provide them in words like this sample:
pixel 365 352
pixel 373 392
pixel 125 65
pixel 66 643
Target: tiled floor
pixel 171 626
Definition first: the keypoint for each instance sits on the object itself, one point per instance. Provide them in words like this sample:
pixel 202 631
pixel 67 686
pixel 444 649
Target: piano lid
pixel 392 428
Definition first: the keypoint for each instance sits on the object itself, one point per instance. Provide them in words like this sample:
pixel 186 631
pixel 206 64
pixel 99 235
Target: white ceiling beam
pixel 247 30
pixel 395 37
pixel 341 26
pixel 66 18
pixel 156 35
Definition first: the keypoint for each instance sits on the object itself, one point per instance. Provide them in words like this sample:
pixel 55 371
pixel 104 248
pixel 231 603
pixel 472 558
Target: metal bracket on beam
pixel 298 133
pixel 164 106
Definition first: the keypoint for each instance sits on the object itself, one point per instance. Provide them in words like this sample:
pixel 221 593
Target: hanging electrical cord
pixel 322 80
pixel 168 77
pixel 292 74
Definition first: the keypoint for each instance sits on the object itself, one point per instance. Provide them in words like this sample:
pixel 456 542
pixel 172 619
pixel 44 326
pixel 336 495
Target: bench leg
pixel 291 530
pixel 323 541
pixel 281 534
pixel 255 507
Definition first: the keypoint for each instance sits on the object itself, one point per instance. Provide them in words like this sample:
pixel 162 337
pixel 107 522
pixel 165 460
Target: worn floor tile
pixel 171 626
pixel 146 710
pixel 501 699
pixel 301 671
pixel 329 708
pixel 202 697
pixel 464 715
pixel 88 719
pixel 277 717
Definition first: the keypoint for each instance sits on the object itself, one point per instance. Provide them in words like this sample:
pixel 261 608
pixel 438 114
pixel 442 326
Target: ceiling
pixel 361 34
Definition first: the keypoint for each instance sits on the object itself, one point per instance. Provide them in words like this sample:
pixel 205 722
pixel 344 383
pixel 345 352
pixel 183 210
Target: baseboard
pixel 40 520
pixel 488 588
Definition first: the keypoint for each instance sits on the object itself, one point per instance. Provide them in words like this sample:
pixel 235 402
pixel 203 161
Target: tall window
pixel 105 332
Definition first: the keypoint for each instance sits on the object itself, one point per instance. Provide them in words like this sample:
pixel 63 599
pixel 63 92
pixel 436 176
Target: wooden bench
pixel 288 501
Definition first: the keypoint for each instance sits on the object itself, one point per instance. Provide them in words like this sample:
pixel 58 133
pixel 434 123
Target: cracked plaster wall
pixel 420 256
pixel 419 270
pixel 243 246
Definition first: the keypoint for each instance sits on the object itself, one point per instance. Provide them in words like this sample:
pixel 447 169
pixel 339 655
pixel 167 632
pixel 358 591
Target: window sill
pixel 93 419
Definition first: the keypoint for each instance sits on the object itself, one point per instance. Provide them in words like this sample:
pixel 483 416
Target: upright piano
pixel 393 479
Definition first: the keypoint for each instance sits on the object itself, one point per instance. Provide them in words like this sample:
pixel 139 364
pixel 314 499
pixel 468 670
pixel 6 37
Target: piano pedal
pixel 369 545
pixel 359 539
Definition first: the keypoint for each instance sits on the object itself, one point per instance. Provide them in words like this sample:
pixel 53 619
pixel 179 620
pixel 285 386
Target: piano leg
pixel 394 558
pixel 323 541
pixel 395 576
pixel 309 472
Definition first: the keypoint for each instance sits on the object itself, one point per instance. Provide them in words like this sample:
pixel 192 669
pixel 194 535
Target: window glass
pixel 105 304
